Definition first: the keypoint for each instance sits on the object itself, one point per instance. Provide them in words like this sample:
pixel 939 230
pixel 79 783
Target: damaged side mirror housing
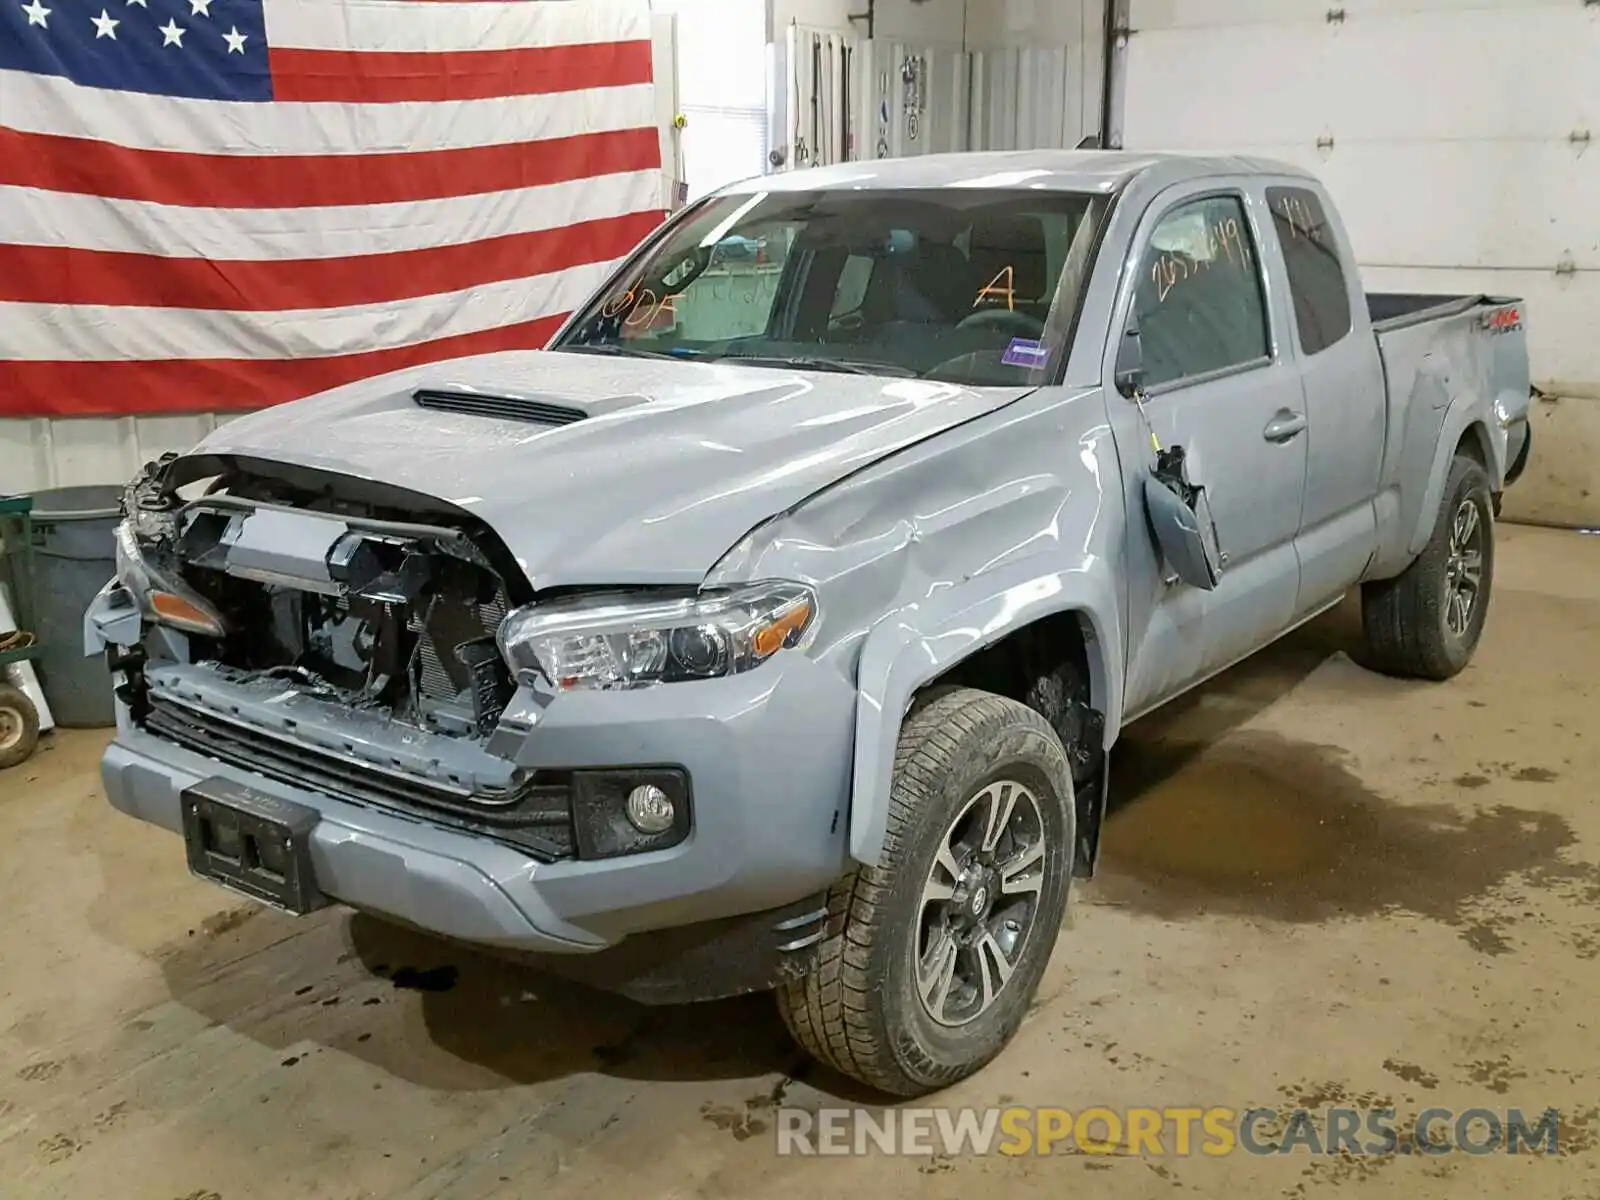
pixel 1129 372
pixel 1180 518
pixel 1179 515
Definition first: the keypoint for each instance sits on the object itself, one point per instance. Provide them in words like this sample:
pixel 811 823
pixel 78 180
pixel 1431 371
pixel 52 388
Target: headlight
pixel 165 601
pixel 628 642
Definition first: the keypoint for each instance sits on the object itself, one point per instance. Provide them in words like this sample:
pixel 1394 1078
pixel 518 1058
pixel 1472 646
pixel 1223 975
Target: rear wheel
pixel 1427 621
pixel 931 958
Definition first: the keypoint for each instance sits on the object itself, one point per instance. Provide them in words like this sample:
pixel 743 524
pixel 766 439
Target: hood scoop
pixel 505 408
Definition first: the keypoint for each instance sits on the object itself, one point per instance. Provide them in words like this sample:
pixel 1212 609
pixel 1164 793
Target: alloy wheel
pixel 979 901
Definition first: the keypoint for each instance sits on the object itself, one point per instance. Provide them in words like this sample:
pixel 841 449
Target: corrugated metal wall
pixel 1036 96
pixel 984 75
pixel 929 99
pixel 918 96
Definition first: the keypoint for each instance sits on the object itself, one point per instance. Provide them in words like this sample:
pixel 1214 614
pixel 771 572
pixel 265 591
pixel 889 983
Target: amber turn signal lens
pixel 775 636
pixel 176 611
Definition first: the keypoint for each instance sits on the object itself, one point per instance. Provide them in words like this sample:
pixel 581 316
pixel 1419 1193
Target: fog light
pixel 650 809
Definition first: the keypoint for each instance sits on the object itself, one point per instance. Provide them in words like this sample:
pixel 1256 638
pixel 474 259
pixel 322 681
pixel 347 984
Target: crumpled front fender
pixel 907 650
pixel 112 619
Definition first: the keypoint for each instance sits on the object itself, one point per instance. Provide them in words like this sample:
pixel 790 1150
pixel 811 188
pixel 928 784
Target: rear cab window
pixel 1317 280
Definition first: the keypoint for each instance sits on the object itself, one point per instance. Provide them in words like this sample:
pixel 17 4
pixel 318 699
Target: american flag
pixel 223 204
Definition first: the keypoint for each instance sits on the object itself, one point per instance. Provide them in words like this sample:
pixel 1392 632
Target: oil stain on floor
pixel 1260 825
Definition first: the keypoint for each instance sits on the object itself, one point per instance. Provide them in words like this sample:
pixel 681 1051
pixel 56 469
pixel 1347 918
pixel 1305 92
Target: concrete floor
pixel 1319 886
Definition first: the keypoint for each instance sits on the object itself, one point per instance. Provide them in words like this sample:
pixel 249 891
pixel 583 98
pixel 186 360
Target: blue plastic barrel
pixel 74 553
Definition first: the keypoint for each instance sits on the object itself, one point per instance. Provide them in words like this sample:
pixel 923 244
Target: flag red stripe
pixel 382 77
pixel 63 275
pixel 94 389
pixel 94 168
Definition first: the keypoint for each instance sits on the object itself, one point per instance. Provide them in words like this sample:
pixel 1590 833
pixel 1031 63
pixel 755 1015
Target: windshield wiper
pixel 806 362
pixel 628 351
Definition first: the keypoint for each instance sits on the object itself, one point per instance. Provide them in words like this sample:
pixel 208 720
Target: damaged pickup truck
pixel 772 627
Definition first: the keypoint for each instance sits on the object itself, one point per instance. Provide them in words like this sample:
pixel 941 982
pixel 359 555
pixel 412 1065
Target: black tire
pixel 860 1010
pixel 1407 620
pixel 19 726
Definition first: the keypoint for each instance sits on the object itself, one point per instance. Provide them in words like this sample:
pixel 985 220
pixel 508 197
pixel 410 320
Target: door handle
pixel 1284 426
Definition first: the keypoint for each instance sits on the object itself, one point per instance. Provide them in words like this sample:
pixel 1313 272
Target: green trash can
pixel 74 553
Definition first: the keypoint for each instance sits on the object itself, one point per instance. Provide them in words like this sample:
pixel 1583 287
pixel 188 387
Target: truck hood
pixel 671 464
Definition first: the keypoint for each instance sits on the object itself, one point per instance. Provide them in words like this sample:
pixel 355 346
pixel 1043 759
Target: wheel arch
pixel 914 650
pixel 1464 431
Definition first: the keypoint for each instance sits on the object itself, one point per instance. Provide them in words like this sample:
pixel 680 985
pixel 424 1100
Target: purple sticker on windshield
pixel 1025 352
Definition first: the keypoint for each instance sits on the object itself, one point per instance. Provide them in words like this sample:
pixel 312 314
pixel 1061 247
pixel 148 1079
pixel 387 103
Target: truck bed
pixel 1396 310
pixel 1436 349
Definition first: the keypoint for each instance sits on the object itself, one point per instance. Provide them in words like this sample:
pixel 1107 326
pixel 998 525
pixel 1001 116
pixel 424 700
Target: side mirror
pixel 1180 517
pixel 1129 376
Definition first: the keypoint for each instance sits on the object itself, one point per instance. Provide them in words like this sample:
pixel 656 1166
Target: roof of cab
pixel 1053 170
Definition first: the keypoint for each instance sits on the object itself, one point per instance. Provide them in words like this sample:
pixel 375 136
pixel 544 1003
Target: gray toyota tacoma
pixel 771 628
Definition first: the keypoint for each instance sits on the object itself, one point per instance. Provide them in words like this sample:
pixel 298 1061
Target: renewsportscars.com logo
pixel 1163 1132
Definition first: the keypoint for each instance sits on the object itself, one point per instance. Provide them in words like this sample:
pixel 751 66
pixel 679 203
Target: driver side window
pixel 1199 304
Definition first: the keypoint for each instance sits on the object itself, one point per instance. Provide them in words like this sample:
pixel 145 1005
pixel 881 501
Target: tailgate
pixel 1500 322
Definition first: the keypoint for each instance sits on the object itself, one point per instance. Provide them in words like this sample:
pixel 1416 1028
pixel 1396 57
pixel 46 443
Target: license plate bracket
pixel 252 842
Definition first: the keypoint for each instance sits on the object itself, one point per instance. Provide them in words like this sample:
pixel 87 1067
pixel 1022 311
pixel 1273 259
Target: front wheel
pixel 931 958
pixel 1426 622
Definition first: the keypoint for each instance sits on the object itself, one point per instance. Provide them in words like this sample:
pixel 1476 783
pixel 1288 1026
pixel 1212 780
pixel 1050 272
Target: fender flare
pixel 1465 412
pixel 917 644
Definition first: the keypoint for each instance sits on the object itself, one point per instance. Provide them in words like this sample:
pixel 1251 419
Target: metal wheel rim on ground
pixel 11 727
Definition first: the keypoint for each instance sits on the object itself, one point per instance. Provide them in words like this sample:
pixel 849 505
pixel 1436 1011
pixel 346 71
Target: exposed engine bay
pixel 354 592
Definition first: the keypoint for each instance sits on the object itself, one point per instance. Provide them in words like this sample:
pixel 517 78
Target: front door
pixel 1215 383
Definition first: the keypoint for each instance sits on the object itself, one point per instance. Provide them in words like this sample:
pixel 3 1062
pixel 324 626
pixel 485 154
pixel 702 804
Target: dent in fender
pixel 916 645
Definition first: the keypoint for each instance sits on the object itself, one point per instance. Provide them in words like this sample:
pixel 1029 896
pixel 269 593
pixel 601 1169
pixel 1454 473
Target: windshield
pixel 960 284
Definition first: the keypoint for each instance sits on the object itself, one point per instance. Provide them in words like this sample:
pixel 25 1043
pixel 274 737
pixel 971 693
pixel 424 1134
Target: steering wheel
pixel 1005 319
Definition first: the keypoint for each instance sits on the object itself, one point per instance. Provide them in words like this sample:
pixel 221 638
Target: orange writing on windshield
pixel 1003 284
pixel 640 309
pixel 1222 240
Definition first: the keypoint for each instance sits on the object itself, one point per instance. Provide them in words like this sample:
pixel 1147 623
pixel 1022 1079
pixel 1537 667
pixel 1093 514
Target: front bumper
pixel 768 753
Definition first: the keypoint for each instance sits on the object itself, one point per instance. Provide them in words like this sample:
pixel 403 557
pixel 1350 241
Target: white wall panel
pixel 1451 133
pixel 935 22
pixel 1038 97
pixel 925 115
pixel 1460 139
pixel 1464 221
pixel 997 74
pixel 39 454
pixel 830 14
pixel 1028 22
pixel 1233 14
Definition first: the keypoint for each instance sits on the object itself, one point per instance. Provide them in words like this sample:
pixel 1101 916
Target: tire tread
pixel 1402 617
pixel 830 1012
